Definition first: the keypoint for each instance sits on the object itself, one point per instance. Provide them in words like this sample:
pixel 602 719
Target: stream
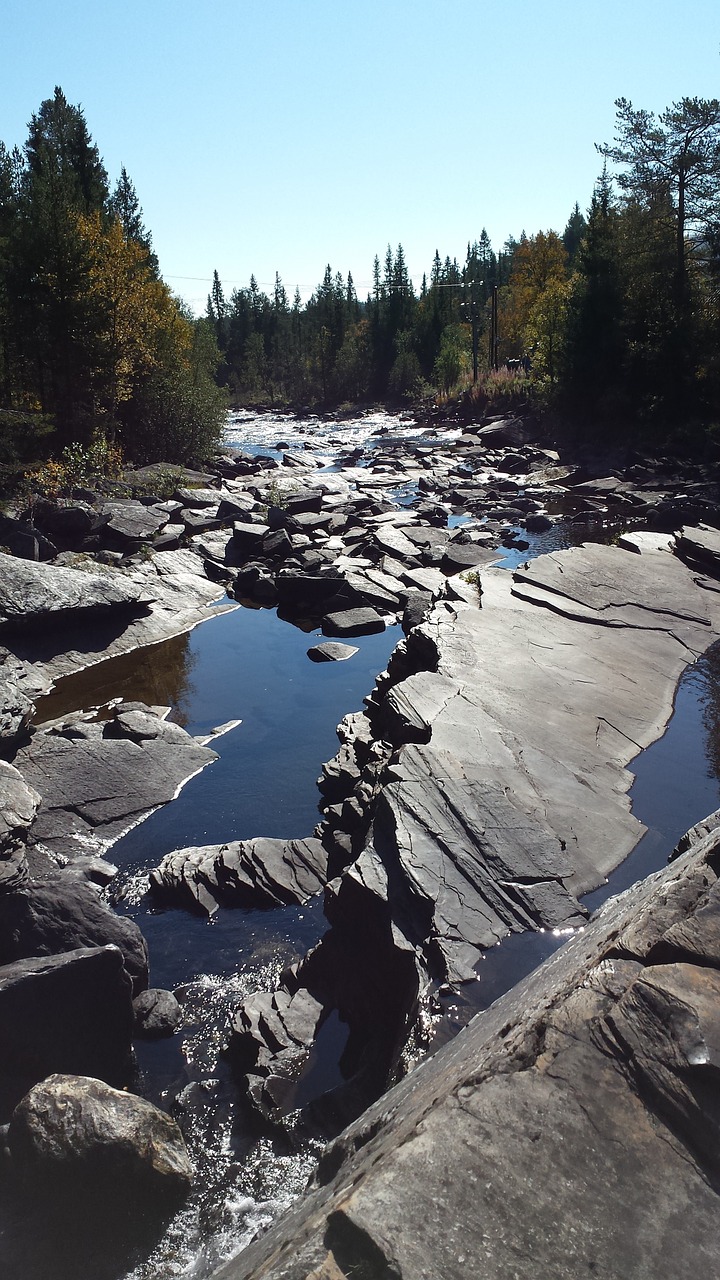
pixel 250 666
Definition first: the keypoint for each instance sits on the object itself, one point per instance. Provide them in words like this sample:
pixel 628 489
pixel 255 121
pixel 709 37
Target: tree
pixel 673 164
pixel 125 206
pixel 539 266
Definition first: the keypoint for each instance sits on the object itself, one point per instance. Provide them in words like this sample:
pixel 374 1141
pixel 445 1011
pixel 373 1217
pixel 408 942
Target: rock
pixel 129 522
pixel 157 1014
pixel 18 805
pixel 95 786
pixel 510 433
pixel 701 547
pixel 586 1095
pixel 69 1012
pixel 75 1136
pixel 416 609
pixel 331 651
pixel 70 521
pixel 458 557
pixel 353 622
pixel 18 690
pixel 244 873
pixel 61 913
pixel 32 593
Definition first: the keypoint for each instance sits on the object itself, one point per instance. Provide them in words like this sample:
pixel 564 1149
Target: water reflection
pixel 158 675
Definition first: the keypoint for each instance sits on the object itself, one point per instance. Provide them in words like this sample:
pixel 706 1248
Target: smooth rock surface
pixel 30 593
pixel 569 1131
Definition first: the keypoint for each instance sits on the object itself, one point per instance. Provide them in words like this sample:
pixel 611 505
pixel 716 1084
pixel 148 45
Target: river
pixel 247 665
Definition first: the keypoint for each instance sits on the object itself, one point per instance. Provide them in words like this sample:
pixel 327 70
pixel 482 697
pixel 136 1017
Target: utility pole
pixel 474 320
pixel 494 329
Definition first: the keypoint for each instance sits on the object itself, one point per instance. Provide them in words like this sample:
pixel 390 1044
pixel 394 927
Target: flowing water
pixel 250 666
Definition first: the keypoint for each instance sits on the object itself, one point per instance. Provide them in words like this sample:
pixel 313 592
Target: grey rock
pixel 331 651
pixel 33 593
pixel 73 1136
pixel 244 873
pixel 586 1095
pixel 353 622
pixel 61 913
pixel 18 805
pixel 130 521
pixel 97 783
pixel 69 1012
pixel 157 1014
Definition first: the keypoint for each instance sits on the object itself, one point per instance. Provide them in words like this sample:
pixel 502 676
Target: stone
pixel 33 593
pixel 62 913
pixel 353 622
pixel 97 784
pixel 18 691
pixel 19 804
pixel 332 651
pixel 69 1012
pixel 554 1137
pixel 75 1136
pixel 258 873
pixel 157 1014
pixel 130 522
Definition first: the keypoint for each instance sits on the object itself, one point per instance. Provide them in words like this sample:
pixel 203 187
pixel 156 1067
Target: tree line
pixel 613 321
pixel 93 344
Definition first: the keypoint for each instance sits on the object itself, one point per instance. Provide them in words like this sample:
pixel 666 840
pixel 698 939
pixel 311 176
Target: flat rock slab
pixel 31 593
pixel 507 796
pixel 332 651
pixel 244 873
pixel 95 786
pixel 353 622
pixel 176 596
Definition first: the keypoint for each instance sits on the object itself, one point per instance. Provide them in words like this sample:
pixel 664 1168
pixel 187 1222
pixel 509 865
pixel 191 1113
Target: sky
pixel 268 136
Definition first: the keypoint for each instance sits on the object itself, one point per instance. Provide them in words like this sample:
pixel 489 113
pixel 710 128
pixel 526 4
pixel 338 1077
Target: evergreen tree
pixel 125 206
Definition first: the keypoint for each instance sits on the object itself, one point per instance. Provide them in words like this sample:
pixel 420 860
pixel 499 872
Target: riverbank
pixel 415 789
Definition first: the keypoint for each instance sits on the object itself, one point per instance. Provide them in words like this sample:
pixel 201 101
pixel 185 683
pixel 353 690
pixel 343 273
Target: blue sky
pixel 282 135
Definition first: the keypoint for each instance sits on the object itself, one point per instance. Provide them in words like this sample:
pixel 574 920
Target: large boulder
pixel 70 1012
pixel 75 1136
pixel 61 913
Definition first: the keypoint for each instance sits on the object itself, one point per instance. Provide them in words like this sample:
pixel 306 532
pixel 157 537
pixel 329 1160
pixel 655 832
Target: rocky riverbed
pixel 483 790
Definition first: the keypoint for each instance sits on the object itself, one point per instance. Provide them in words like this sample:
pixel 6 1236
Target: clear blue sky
pixel 282 135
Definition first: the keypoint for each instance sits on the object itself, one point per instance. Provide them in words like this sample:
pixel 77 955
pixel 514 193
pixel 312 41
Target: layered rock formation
pixel 569 1131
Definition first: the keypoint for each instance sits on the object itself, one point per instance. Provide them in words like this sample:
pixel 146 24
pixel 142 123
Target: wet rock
pixel 69 1012
pixel 157 1014
pixel 331 651
pixel 244 873
pixel 61 913
pixel 75 1136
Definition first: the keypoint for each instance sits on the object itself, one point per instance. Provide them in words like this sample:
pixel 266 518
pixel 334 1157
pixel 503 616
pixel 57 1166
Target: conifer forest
pixel 610 323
